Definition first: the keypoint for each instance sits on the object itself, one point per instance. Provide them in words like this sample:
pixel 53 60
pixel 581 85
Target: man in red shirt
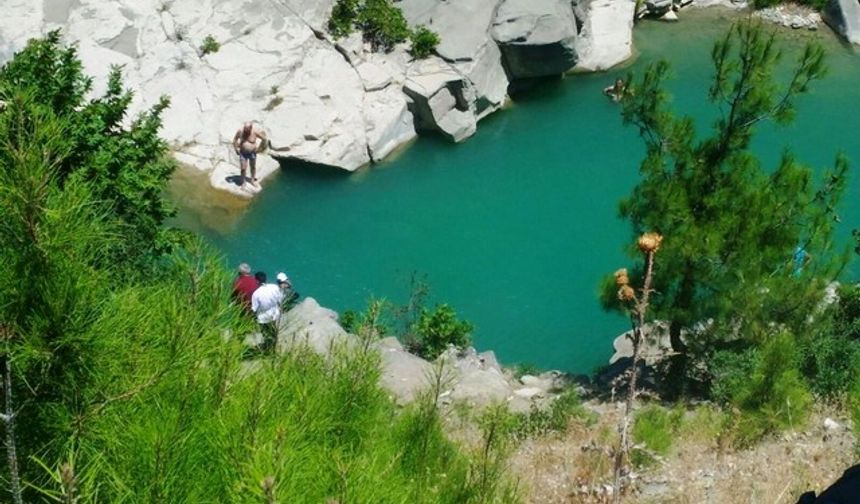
pixel 244 286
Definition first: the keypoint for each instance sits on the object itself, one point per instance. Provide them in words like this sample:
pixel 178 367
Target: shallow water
pixel 515 227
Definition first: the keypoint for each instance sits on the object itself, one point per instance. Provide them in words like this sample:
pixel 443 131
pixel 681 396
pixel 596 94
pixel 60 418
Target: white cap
pixel 282 277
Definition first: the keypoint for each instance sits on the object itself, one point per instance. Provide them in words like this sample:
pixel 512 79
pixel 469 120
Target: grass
pixel 209 46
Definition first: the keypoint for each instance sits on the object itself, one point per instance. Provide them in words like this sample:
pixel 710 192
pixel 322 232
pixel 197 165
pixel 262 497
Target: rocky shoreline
pixel 467 377
pixel 334 102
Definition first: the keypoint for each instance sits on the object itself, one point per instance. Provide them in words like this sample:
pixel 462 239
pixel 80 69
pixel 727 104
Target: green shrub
pixel 729 370
pixel 209 45
pixel 382 24
pixel 654 427
pixel 424 42
pixel 846 313
pixel 773 395
pixel 343 16
pixel 829 363
pixel 556 418
pixel 436 330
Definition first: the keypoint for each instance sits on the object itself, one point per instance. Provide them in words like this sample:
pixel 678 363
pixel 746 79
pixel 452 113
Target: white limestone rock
pixel 389 123
pixel 443 99
pixel 465 43
pixel 310 324
pixel 606 37
pixel 844 17
pixel 403 374
pixel 536 37
pixel 482 388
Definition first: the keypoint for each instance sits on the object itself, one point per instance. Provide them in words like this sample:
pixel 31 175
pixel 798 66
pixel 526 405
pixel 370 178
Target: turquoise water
pixel 515 227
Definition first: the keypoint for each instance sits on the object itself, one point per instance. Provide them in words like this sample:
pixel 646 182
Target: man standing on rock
pixel 246 146
pixel 266 304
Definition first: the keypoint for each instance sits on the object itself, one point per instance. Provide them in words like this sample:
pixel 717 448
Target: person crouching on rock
pixel 266 304
pixel 290 294
pixel 246 146
pixel 616 91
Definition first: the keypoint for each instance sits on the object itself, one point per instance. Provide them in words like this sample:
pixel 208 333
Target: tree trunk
pixel 9 421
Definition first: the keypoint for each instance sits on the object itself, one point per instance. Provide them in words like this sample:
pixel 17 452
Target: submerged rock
pixel 537 37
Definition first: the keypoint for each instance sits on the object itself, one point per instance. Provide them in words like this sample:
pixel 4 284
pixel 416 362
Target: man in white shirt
pixel 266 304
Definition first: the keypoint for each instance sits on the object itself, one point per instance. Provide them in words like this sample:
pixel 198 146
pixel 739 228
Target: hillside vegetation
pixel 122 366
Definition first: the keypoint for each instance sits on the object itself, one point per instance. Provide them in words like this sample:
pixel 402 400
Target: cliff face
pixel 323 101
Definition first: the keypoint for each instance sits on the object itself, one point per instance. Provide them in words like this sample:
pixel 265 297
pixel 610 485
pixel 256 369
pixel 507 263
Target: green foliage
pixel 829 362
pixel 655 428
pixel 424 42
pixel 136 390
pixel 126 167
pixel 343 16
pixel 382 25
pixel 830 350
pixel 846 313
pixel 487 469
pixel 525 368
pixel 766 388
pixel 438 328
pixel 209 45
pixel 698 192
pixel 556 418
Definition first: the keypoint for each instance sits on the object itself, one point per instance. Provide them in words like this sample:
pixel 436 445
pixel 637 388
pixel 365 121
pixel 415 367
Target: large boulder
pixel 844 17
pixel 442 99
pixel 537 37
pixel 310 324
pixel 404 375
pixel 465 43
pixel 606 37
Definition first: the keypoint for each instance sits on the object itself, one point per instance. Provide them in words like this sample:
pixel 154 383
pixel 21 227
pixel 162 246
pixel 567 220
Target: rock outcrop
pixel 467 377
pixel 322 101
pixel 443 100
pixel 536 37
pixel 844 17
pixel 465 43
pixel 606 36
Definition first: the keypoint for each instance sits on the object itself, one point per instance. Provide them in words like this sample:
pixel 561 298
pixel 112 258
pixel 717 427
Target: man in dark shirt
pixel 244 286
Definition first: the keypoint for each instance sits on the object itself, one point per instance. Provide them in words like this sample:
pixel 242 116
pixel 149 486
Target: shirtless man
pixel 245 145
pixel 616 91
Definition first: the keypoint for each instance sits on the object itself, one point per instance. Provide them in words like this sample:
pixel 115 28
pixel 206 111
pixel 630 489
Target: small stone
pixel 831 425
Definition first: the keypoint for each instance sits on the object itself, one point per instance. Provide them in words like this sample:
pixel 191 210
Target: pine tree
pixel 732 224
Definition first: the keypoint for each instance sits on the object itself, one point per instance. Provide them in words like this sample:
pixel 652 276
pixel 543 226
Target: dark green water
pixel 516 226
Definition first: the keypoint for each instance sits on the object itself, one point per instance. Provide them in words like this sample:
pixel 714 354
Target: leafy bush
pixel 846 313
pixel 382 25
pixel 209 45
pixel 424 42
pixel 127 167
pixel 343 16
pixel 767 389
pixel 655 428
pixel 556 418
pixel 829 363
pixel 436 330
